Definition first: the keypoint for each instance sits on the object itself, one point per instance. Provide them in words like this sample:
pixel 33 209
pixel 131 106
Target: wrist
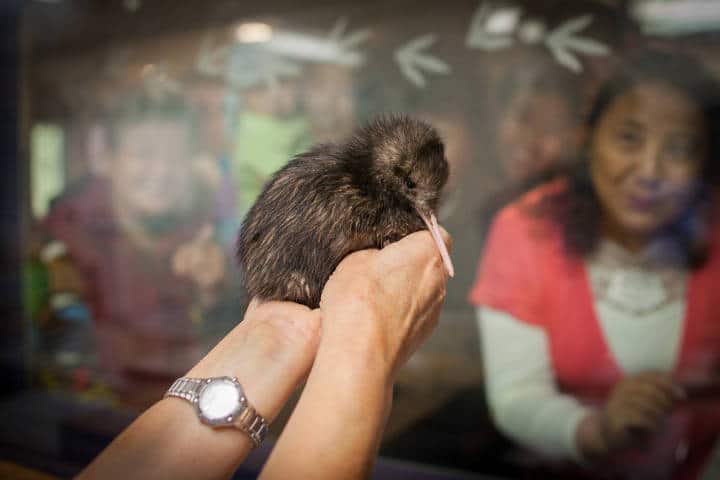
pixel 361 348
pixel 358 383
pixel 269 355
pixel 592 438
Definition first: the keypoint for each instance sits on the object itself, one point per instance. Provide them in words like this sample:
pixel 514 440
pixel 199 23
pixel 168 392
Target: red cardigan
pixel 526 272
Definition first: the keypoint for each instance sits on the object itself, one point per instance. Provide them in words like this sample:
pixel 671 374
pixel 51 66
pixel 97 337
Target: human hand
pixel 376 309
pixel 201 259
pixel 383 304
pixel 206 168
pixel 637 408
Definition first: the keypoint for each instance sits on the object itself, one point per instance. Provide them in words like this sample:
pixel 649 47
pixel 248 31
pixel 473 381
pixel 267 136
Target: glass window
pixel 153 126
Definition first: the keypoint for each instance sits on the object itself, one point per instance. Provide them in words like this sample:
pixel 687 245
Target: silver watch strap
pixel 248 421
pixel 185 388
pixel 253 424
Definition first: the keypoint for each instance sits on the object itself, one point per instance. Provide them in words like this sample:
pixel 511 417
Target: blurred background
pixel 144 129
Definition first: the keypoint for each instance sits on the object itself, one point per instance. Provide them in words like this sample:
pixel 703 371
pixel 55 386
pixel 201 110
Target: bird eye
pixel 410 183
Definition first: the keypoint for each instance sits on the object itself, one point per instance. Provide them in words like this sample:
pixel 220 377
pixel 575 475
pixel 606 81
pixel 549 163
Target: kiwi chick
pixel 381 185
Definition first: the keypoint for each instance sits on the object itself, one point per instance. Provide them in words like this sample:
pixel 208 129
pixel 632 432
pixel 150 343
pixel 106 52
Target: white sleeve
pixel 520 386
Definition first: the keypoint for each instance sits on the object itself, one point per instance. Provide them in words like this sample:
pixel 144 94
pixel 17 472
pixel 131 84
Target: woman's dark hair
pixel 577 209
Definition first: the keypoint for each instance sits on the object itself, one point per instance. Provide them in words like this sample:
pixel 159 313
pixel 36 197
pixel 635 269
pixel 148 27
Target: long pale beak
pixel 434 229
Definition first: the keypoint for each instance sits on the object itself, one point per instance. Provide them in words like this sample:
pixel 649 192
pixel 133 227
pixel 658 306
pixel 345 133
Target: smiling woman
pixel 647 152
pixel 595 291
pixel 651 148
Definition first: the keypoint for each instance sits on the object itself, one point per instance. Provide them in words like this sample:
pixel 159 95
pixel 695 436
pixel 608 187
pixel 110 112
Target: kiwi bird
pixel 380 185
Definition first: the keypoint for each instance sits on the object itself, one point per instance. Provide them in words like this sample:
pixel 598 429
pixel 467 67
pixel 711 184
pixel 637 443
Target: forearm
pixel 168 441
pixel 339 420
pixel 522 395
pixel 269 356
pixel 545 423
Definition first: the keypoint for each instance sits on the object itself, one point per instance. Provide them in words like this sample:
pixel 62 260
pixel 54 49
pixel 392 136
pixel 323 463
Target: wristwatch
pixel 221 402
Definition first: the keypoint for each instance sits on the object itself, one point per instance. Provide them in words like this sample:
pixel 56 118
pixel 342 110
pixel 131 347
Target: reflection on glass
pixel 47 172
pixel 138 235
pixel 594 294
pixel 148 142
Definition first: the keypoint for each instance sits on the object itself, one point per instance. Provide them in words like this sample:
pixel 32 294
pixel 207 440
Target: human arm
pixel 636 409
pixel 527 406
pixel 270 352
pixel 509 294
pixel 377 308
pixel 522 395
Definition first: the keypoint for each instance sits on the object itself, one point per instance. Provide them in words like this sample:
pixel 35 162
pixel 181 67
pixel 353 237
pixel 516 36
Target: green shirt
pixel 263 144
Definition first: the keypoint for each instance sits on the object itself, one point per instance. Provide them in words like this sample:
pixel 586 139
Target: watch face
pixel 219 400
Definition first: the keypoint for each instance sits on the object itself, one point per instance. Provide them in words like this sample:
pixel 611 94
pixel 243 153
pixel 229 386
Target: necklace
pixel 635 283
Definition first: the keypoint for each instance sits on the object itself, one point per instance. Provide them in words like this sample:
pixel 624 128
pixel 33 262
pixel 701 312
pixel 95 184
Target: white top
pixel 640 307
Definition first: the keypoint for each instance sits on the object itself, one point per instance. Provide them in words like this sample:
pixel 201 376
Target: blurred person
pixel 211 100
pixel 594 297
pixel 141 236
pixel 270 130
pixel 538 132
pixel 539 120
pixel 328 100
pixel 540 101
pixel 348 352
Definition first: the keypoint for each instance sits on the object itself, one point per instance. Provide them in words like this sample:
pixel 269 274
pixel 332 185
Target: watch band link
pixel 253 424
pixel 185 388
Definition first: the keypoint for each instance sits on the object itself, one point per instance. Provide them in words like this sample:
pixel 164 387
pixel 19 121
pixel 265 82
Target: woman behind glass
pixel 600 335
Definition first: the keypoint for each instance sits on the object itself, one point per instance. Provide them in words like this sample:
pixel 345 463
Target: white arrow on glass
pixel 338 47
pixel 563 39
pixel 411 61
pixel 492 27
pixel 352 40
